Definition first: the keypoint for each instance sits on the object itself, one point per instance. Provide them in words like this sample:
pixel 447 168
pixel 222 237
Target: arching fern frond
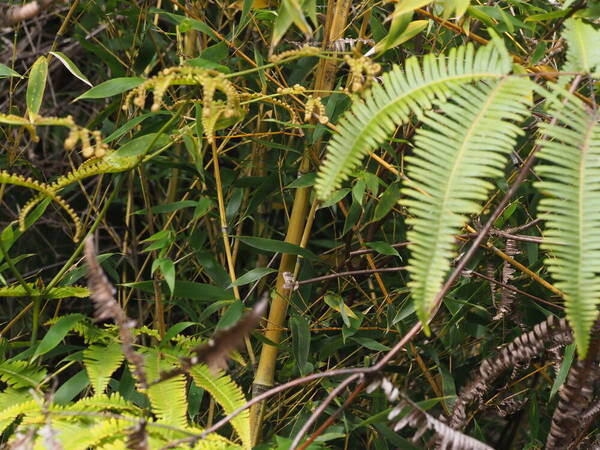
pixel 572 211
pixel 406 89
pixel 227 394
pixel 168 398
pixel 460 148
pixel 20 374
pixel 581 56
pixel 100 362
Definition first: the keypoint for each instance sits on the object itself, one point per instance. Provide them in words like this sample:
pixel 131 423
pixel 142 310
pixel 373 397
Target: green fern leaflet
pixel 411 88
pixel 572 211
pixel 469 142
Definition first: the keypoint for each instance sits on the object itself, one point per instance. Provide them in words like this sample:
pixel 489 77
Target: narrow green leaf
pixel 56 333
pixel 383 247
pixel 252 275
pixel 36 86
pixel 405 6
pixel 272 245
pixel 203 206
pixel 167 269
pixel 131 153
pixel 231 315
pixel 547 16
pixel 290 11
pixel 188 289
pixel 387 201
pixel 411 31
pixel 71 67
pixel 193 24
pixel 300 341
pixel 71 388
pixel 207 64
pixel 399 24
pixel 371 344
pixel 334 198
pixel 565 366
pixel 305 180
pixel 175 330
pixel 6 71
pixel 130 125
pixel 111 87
pixel 336 302
pixel 168 207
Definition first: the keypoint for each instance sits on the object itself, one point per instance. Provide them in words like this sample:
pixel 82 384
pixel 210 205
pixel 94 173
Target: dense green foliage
pixel 218 161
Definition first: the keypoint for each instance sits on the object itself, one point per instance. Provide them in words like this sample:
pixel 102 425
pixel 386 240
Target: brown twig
pixel 514 289
pixel 332 417
pixel 350 273
pixel 317 412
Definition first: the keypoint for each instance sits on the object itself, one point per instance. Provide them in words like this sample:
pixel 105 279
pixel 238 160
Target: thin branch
pixel 324 404
pixel 298 381
pixel 332 417
pixel 350 273
pixel 514 289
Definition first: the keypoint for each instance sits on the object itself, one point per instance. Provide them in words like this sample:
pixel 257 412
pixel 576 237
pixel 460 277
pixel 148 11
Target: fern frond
pixel 10 414
pixel 89 436
pixel 100 362
pixel 211 442
pixel 11 396
pixel 103 402
pixel 411 88
pixel 20 374
pixel 168 398
pixel 18 290
pixel 452 158
pixel 572 211
pixel 581 56
pixel 227 394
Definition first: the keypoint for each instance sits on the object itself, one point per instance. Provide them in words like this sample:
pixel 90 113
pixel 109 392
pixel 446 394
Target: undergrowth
pixel 412 188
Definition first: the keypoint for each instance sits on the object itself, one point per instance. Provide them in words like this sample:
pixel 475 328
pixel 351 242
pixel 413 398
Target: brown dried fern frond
pixel 529 345
pixel 574 411
pixel 421 421
pixel 507 296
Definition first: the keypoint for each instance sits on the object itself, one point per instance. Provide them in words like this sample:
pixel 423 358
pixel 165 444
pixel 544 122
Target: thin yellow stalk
pixel 225 235
pixel 223 217
pixel 298 231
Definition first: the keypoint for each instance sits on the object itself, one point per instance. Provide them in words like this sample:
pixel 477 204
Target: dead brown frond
pixel 575 399
pixel 412 415
pixel 529 345
pixel 507 296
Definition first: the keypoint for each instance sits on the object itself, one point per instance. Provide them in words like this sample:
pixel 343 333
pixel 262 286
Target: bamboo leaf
pixel 36 86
